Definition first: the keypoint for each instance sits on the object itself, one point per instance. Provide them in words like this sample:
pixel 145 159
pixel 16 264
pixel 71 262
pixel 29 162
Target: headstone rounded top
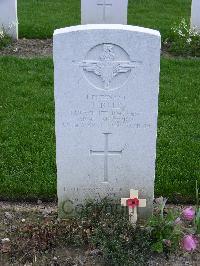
pixel 104 11
pixel 107 27
pixel 106 100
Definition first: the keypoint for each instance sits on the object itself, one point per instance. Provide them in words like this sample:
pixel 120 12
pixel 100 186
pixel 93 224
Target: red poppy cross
pixel 133 203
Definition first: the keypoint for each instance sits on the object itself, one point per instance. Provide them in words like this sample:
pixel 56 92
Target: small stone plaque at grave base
pixel 8 17
pixel 106 105
pixel 104 11
pixel 195 15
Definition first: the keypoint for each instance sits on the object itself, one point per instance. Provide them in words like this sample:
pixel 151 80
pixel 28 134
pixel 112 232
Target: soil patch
pixel 29 48
pixel 24 217
pixel 19 220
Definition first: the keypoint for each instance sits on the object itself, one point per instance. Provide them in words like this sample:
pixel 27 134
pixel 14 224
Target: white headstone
pixel 106 105
pixel 104 11
pixel 8 17
pixel 195 16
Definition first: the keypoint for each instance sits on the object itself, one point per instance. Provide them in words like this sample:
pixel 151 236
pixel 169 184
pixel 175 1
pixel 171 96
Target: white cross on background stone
pixel 106 153
pixel 141 203
pixel 104 5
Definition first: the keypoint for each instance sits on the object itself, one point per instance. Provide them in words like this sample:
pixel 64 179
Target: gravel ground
pixel 13 215
pixel 29 48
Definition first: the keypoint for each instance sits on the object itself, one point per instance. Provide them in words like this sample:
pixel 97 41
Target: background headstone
pixel 195 15
pixel 104 11
pixel 8 17
pixel 106 105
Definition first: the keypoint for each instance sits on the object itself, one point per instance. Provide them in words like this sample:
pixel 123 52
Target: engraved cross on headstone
pixel 106 153
pixel 104 4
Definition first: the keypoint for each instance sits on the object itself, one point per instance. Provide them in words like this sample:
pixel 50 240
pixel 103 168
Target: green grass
pixel 178 147
pixel 39 18
pixel 158 14
pixel 27 129
pixel 27 163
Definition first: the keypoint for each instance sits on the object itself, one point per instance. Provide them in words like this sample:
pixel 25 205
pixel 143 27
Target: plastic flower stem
pixel 197 195
pixel 163 207
pixel 197 219
pixel 173 233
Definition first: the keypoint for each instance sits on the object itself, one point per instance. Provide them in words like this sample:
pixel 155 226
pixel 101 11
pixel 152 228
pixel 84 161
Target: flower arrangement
pixel 171 229
pixel 183 40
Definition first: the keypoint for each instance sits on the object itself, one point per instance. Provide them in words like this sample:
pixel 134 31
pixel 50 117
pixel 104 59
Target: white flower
pixel 1 34
pixel 180 33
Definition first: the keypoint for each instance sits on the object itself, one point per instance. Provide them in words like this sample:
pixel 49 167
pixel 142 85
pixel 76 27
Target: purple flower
pixel 189 213
pixel 190 242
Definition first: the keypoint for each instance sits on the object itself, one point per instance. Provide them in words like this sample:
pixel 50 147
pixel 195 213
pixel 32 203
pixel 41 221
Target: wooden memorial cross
pixel 133 203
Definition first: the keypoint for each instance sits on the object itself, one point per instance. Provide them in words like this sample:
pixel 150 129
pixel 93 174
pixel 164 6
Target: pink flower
pixel 189 213
pixel 190 242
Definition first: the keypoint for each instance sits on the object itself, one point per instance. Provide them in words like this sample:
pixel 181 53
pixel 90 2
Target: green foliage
pixel 165 233
pixel 5 40
pixel 112 233
pixel 183 41
pixel 100 226
pixel 169 227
